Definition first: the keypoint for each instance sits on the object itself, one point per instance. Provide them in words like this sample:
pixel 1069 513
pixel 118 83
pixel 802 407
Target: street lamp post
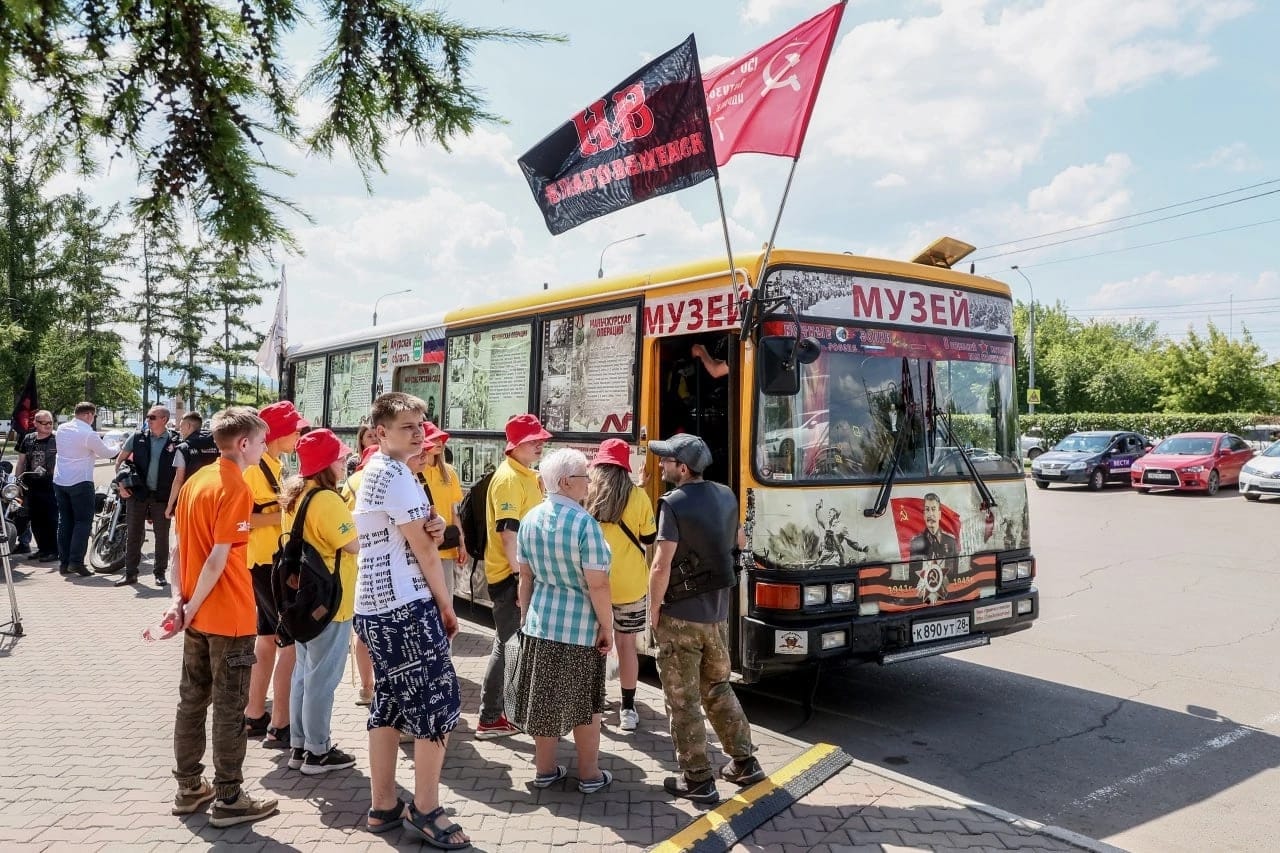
pixel 384 296
pixel 600 271
pixel 1031 338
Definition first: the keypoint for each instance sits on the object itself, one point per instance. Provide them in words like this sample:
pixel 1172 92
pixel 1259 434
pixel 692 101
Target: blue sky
pixel 988 121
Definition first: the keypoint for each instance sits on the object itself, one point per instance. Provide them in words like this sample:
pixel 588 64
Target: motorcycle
pixel 107 536
pixel 11 510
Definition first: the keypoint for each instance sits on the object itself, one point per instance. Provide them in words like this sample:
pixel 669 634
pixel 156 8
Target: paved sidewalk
pixel 86 714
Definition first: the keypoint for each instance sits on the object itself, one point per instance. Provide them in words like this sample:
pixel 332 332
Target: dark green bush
pixel 1056 427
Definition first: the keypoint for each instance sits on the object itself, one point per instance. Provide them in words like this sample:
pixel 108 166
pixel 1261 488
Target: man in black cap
pixel 689 583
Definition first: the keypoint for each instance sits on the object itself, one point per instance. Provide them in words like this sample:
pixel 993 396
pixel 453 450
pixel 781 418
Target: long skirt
pixel 558 687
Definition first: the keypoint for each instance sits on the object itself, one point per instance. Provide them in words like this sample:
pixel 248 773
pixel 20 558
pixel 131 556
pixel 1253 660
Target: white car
pixel 785 442
pixel 115 438
pixel 1033 443
pixel 1261 474
pixel 1261 436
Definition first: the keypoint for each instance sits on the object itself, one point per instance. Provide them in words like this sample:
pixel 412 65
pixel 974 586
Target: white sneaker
pixel 628 719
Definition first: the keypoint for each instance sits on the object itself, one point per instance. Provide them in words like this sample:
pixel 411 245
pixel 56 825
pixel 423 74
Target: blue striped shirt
pixel 561 542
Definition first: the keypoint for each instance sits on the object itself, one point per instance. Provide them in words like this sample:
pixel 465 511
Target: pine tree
pixel 234 289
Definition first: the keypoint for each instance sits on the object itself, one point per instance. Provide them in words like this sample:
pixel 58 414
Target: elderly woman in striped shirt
pixel 567 620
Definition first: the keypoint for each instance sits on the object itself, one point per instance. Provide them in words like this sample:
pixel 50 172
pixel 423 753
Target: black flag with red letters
pixel 646 137
pixel 25 406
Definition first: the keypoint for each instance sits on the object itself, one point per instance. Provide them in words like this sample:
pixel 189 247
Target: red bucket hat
pixel 434 435
pixel 614 451
pixel 319 449
pixel 367 455
pixel 524 428
pixel 282 419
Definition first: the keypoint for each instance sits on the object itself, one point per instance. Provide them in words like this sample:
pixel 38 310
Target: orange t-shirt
pixel 213 509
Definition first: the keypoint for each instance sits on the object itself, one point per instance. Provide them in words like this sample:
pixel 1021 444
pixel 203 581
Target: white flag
pixel 273 345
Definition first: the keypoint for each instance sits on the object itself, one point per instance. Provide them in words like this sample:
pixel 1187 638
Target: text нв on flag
pixel 646 137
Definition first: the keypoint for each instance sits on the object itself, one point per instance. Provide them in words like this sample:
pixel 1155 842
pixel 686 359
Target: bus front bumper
pixel 772 646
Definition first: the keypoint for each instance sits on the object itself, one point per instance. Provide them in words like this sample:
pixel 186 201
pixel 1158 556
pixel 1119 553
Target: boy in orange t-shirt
pixel 214 606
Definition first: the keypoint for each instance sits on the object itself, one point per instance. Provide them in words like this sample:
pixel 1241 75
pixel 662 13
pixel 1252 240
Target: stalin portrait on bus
pixel 934 543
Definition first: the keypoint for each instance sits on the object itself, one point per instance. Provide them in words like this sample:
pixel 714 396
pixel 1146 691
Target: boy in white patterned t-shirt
pixel 405 616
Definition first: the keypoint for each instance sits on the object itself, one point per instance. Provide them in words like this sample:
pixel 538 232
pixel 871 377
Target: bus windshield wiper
pixel 940 420
pixel 906 410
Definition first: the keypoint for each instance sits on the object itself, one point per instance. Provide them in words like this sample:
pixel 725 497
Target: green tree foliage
pixel 208 80
pixel 235 289
pixel 1098 366
pixel 93 253
pixel 1214 374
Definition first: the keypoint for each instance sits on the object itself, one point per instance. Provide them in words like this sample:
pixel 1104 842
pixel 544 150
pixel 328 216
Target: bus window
pixel 695 375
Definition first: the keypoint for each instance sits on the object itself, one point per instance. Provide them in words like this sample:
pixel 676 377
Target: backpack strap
pixel 635 540
pixel 295 532
pixel 272 482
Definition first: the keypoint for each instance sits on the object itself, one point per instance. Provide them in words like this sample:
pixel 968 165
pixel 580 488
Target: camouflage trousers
pixel 693 661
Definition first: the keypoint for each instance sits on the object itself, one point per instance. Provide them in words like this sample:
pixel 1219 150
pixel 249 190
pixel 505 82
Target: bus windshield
pixel 868 386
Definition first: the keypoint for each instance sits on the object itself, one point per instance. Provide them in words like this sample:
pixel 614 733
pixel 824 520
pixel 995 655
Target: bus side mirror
pixel 778 360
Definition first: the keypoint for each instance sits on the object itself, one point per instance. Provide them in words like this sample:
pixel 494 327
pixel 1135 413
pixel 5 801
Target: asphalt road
pixel 1144 706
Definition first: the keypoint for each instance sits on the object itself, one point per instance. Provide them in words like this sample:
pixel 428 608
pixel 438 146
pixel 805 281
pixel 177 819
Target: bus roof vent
pixel 944 252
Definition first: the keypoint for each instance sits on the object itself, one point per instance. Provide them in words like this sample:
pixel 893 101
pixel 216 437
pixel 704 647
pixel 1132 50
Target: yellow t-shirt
pixel 513 491
pixel 629 571
pixel 328 527
pixel 351 488
pixel 264 541
pixel 445 496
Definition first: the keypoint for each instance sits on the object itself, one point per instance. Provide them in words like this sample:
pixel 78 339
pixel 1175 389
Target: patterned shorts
pixel 630 618
pixel 415 688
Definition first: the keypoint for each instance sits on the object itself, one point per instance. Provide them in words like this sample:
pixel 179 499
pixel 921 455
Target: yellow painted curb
pixel 711 821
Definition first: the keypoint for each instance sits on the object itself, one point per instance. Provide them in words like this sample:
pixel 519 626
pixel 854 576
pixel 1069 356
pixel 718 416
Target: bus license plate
pixel 939 629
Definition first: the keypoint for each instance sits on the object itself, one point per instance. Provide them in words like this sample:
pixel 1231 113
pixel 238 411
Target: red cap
pixel 319 449
pixel 367 455
pixel 282 419
pixel 614 451
pixel 434 435
pixel 524 428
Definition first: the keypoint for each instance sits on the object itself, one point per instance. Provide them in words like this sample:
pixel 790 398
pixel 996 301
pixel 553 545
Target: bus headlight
pixel 1016 570
pixel 842 593
pixel 815 595
pixel 833 640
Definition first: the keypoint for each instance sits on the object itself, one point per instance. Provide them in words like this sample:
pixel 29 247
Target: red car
pixel 1193 461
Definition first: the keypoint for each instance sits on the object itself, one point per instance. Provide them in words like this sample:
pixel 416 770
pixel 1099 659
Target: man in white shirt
pixel 79 445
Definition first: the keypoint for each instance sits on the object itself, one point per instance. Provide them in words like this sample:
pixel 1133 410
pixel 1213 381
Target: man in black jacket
pixel 150 452
pixel 195 450
pixel 36 454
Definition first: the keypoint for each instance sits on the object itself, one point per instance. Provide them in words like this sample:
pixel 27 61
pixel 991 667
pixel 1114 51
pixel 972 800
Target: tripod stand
pixel 8 532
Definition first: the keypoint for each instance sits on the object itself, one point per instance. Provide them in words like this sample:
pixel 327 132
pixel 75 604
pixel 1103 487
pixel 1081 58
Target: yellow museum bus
pixel 862 409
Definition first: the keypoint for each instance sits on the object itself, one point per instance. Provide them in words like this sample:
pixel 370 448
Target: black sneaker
pixel 256 727
pixel 742 773
pixel 79 569
pixel 160 579
pixel 21 549
pixel 47 556
pixel 334 759
pixel 127 580
pixel 697 792
pixel 297 756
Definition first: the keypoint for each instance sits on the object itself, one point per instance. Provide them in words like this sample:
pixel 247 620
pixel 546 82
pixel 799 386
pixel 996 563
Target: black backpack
pixel 472 517
pixel 306 593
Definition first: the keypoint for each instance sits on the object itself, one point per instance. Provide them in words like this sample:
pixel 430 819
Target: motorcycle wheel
pixel 104 555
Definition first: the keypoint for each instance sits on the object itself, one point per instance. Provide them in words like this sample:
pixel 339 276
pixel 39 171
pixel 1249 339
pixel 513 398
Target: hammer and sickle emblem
pixel 775 80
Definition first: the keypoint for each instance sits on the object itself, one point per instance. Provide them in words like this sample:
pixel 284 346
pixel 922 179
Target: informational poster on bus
pixel 350 387
pixel 896 302
pixel 424 381
pixel 309 389
pixel 588 372
pixel 488 377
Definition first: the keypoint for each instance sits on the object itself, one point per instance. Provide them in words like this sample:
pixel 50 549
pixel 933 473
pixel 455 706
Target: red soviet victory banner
pixel 909 521
pixel 761 103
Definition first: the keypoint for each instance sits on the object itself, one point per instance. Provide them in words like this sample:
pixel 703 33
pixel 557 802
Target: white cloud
pixel 1236 157
pixel 976 89
pixel 890 179
pixel 763 11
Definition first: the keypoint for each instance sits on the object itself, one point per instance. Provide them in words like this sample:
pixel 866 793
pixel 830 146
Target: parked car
pixel 1032 443
pixel 1261 436
pixel 1261 474
pixel 1095 457
pixel 811 431
pixel 115 438
pixel 1194 461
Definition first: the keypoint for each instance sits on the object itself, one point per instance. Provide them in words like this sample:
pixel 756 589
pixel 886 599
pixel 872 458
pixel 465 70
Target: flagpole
pixel 728 247
pixel 768 249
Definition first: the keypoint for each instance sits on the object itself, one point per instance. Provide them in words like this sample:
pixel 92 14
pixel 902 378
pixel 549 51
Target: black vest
pixel 706 516
pixel 142 461
pixel 197 450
